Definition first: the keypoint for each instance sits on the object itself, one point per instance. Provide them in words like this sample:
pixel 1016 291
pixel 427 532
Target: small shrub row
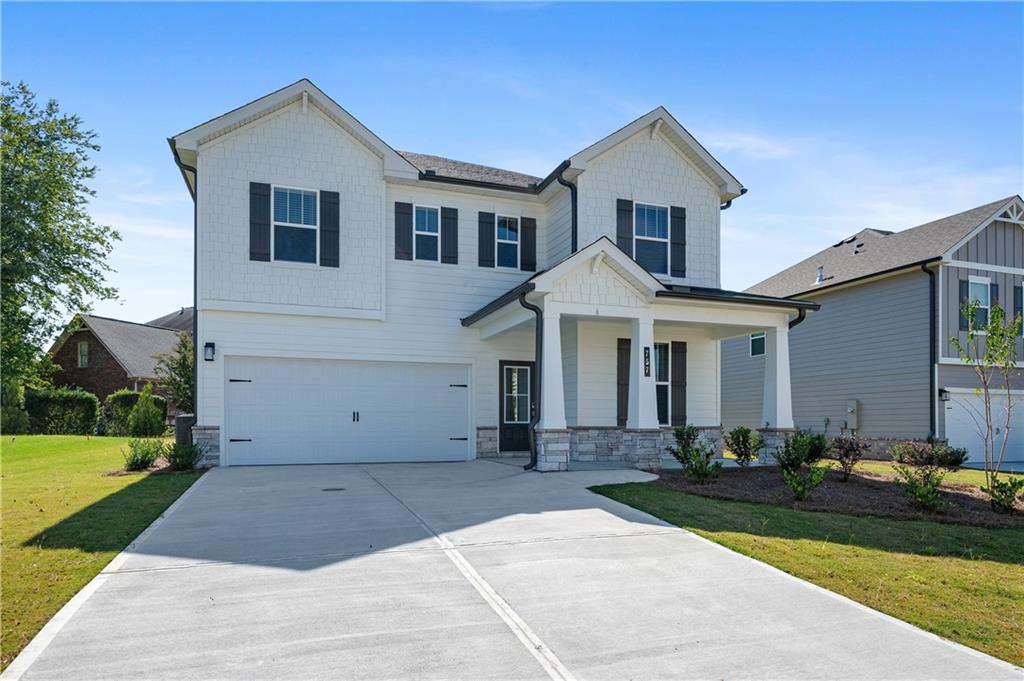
pixel 915 453
pixel 144 452
pixel 62 411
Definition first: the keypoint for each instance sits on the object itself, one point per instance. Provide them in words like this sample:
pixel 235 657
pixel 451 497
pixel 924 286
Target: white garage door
pixel 963 413
pixel 282 411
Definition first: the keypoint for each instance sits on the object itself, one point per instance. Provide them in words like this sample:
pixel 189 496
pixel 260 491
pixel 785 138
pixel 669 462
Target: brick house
pixel 103 355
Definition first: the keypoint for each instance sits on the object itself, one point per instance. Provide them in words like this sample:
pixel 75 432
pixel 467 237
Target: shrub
pixel 184 457
pixel 803 481
pixel 141 454
pixel 13 417
pixel 916 453
pixel 799 450
pixel 62 411
pixel 145 419
pixel 695 454
pixel 744 444
pixel 922 484
pixel 848 450
pixel 1003 493
pixel 118 407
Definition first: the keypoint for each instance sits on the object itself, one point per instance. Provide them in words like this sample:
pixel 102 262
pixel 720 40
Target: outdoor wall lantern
pixel 208 351
pixel 943 395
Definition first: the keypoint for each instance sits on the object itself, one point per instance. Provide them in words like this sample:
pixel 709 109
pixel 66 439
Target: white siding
pixel 652 171
pixel 570 368
pixel 559 228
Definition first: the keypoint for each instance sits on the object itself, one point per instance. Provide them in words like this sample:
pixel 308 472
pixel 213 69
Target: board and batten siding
pixel 867 342
pixel 950 278
pixel 1001 243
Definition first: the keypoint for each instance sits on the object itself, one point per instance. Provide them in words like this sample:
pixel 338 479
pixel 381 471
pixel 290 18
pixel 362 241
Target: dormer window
pixel 650 237
pixel 295 225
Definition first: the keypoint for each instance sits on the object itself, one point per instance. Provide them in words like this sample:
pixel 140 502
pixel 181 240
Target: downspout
pixel 538 358
pixel 572 200
pixel 183 167
pixel 801 315
pixel 728 204
pixel 932 343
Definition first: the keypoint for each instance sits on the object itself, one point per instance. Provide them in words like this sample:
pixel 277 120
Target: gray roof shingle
pixel 134 345
pixel 462 170
pixel 872 251
pixel 180 320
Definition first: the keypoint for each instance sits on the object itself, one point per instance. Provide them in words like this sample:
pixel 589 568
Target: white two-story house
pixel 355 303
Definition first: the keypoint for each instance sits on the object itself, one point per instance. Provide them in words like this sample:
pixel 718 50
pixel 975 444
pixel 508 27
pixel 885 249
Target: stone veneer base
pixel 209 438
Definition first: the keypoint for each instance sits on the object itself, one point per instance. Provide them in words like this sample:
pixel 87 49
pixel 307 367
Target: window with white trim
pixel 517 394
pixel 296 217
pixel 757 344
pixel 662 374
pixel 506 243
pixel 83 354
pixel 980 292
pixel 426 234
pixel 650 237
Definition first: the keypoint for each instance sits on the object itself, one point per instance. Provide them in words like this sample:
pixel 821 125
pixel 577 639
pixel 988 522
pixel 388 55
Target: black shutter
pixel 528 234
pixel 403 231
pixel 330 219
pixel 485 240
pixel 259 221
pixel 677 384
pixel 965 294
pixel 993 293
pixel 677 238
pixel 450 236
pixel 622 382
pixel 1018 301
pixel 624 225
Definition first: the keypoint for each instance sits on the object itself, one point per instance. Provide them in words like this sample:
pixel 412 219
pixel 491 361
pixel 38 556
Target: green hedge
pixel 118 407
pixel 13 417
pixel 62 411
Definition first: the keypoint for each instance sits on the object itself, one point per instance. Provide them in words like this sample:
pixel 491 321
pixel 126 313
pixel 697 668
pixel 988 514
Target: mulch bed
pixel 158 468
pixel 863 494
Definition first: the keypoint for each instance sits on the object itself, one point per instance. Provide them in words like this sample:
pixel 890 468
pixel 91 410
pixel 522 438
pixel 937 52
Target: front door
pixel 515 406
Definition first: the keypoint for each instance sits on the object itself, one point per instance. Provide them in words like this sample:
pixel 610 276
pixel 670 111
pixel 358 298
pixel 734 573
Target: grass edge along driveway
pixel 960 582
pixel 63 519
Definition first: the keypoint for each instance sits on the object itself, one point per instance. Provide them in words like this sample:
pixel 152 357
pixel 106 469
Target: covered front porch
pixel 622 358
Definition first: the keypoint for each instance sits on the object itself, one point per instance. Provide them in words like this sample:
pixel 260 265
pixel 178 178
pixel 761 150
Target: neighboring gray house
pixel 877 357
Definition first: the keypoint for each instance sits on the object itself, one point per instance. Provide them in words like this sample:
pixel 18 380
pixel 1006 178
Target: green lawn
pixel 966 476
pixel 63 520
pixel 964 583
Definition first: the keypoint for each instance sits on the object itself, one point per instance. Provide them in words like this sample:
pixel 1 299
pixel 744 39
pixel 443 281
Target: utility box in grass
pixel 183 428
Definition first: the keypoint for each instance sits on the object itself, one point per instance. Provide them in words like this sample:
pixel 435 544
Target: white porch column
pixel 552 392
pixel 643 400
pixel 778 400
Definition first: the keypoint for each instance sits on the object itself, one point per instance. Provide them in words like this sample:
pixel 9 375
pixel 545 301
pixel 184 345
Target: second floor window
pixel 981 294
pixel 83 354
pixel 507 243
pixel 650 237
pixel 295 225
pixel 426 233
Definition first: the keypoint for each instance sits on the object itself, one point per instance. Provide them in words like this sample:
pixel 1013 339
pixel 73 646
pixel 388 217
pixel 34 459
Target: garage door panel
pixel 325 411
pixel 964 414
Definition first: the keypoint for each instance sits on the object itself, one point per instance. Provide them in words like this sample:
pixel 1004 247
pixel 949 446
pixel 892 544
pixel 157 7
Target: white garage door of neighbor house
pixel 282 411
pixel 963 412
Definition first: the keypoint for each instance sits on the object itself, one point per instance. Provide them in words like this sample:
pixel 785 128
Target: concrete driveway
pixel 471 571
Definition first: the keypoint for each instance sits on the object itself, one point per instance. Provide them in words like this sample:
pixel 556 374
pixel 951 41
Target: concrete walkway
pixel 470 571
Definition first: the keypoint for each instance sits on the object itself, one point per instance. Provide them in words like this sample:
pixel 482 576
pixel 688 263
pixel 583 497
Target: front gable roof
pixel 660 121
pixel 872 252
pixel 134 346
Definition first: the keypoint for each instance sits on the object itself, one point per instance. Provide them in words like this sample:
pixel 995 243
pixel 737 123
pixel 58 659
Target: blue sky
pixel 836 117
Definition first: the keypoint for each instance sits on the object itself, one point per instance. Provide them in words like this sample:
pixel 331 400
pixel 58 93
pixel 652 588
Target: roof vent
pixel 819 276
pixel 430 173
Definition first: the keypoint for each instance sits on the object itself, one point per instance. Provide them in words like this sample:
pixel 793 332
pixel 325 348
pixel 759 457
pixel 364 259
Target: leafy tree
pixel 176 373
pixel 145 419
pixel 991 350
pixel 54 256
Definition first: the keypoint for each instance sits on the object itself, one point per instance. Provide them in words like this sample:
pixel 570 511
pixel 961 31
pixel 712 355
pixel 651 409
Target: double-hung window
pixel 650 237
pixel 757 344
pixel 661 380
pixel 980 293
pixel 506 244
pixel 427 233
pixel 83 354
pixel 296 216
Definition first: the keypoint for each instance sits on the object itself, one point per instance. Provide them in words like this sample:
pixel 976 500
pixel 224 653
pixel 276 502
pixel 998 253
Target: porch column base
pixel 642 448
pixel 207 437
pixel 552 449
pixel 772 438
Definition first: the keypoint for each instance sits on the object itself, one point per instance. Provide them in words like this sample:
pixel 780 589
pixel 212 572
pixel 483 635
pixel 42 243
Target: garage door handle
pixel 239 439
pixel 458 438
pixel 458 385
pixel 239 380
